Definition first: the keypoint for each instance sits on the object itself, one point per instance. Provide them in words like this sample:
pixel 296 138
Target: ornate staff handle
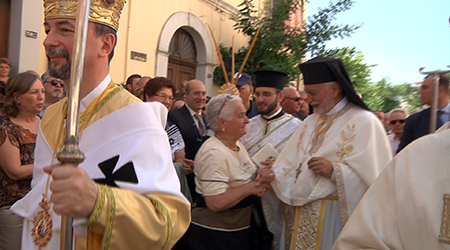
pixel 70 154
pixel 434 103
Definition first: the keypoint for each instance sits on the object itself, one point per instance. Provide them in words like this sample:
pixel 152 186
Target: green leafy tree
pixel 279 47
pixel 358 71
pixel 387 96
pixel 411 97
pixel 382 95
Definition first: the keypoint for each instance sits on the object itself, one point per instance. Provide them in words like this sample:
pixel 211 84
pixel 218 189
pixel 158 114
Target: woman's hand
pixel 259 189
pixel 264 178
pixel 188 166
pixel 268 163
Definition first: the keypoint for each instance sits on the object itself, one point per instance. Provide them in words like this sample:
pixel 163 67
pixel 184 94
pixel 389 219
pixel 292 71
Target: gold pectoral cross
pixel 444 236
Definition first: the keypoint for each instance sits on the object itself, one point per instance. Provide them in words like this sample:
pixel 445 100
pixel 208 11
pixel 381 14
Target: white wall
pixel 24 51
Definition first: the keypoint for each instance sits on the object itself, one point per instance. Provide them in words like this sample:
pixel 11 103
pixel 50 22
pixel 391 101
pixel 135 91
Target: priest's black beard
pixel 270 107
pixel 64 71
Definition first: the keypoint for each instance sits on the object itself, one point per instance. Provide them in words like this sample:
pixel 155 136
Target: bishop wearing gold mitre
pixel 126 194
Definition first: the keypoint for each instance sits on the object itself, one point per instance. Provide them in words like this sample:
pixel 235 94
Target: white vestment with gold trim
pixel 147 155
pixel 403 209
pixel 355 143
pixel 277 132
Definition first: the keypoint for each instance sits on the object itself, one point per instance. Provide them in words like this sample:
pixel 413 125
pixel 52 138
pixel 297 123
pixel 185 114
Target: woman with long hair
pixel 23 102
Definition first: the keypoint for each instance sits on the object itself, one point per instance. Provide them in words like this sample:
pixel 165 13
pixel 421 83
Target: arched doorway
pixel 182 57
pixel 203 44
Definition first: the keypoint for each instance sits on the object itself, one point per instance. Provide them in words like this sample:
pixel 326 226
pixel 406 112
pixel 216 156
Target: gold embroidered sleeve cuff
pixel 333 175
pixel 101 198
pixel 102 218
pixel 154 219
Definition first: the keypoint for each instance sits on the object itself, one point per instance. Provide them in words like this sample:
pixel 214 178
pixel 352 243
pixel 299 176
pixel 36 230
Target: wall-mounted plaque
pixel 138 56
pixel 31 34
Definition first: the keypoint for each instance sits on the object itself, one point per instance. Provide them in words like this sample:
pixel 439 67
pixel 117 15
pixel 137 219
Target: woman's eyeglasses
pixel 165 97
pixel 56 82
pixel 228 97
pixel 400 121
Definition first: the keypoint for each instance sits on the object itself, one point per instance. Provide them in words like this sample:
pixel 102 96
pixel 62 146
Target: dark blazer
pixel 299 115
pixel 186 124
pixel 191 136
pixel 252 110
pixel 417 125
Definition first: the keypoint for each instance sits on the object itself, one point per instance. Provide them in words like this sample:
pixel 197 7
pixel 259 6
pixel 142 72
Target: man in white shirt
pixel 397 118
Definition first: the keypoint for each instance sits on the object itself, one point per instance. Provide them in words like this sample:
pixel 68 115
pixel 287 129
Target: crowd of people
pixel 270 168
pixel 212 146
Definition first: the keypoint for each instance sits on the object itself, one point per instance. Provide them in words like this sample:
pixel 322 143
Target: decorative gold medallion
pixel 229 89
pixel 42 225
pixel 444 236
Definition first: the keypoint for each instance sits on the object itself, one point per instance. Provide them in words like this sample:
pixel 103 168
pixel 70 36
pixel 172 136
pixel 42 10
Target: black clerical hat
pixel 270 78
pixel 327 69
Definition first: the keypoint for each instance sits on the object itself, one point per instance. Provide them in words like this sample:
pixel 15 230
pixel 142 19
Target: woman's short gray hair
pixel 220 107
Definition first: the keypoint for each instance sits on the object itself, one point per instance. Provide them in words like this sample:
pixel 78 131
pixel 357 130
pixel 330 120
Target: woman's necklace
pixel 234 147
pixel 244 164
pixel 42 223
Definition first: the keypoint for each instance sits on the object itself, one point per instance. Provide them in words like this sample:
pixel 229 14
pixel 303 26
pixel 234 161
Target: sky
pixel 400 36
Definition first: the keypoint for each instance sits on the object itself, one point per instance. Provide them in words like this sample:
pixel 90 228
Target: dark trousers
pixel 200 238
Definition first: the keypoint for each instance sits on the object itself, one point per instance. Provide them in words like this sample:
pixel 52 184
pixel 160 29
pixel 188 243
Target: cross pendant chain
pixel 298 171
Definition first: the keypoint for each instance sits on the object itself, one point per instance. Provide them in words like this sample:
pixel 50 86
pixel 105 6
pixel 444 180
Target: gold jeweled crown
pixel 105 12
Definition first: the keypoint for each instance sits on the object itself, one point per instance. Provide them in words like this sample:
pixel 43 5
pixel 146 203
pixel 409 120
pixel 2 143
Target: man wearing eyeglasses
pixel 273 125
pixel 397 118
pixel 54 90
pixel 291 102
pixel 305 109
